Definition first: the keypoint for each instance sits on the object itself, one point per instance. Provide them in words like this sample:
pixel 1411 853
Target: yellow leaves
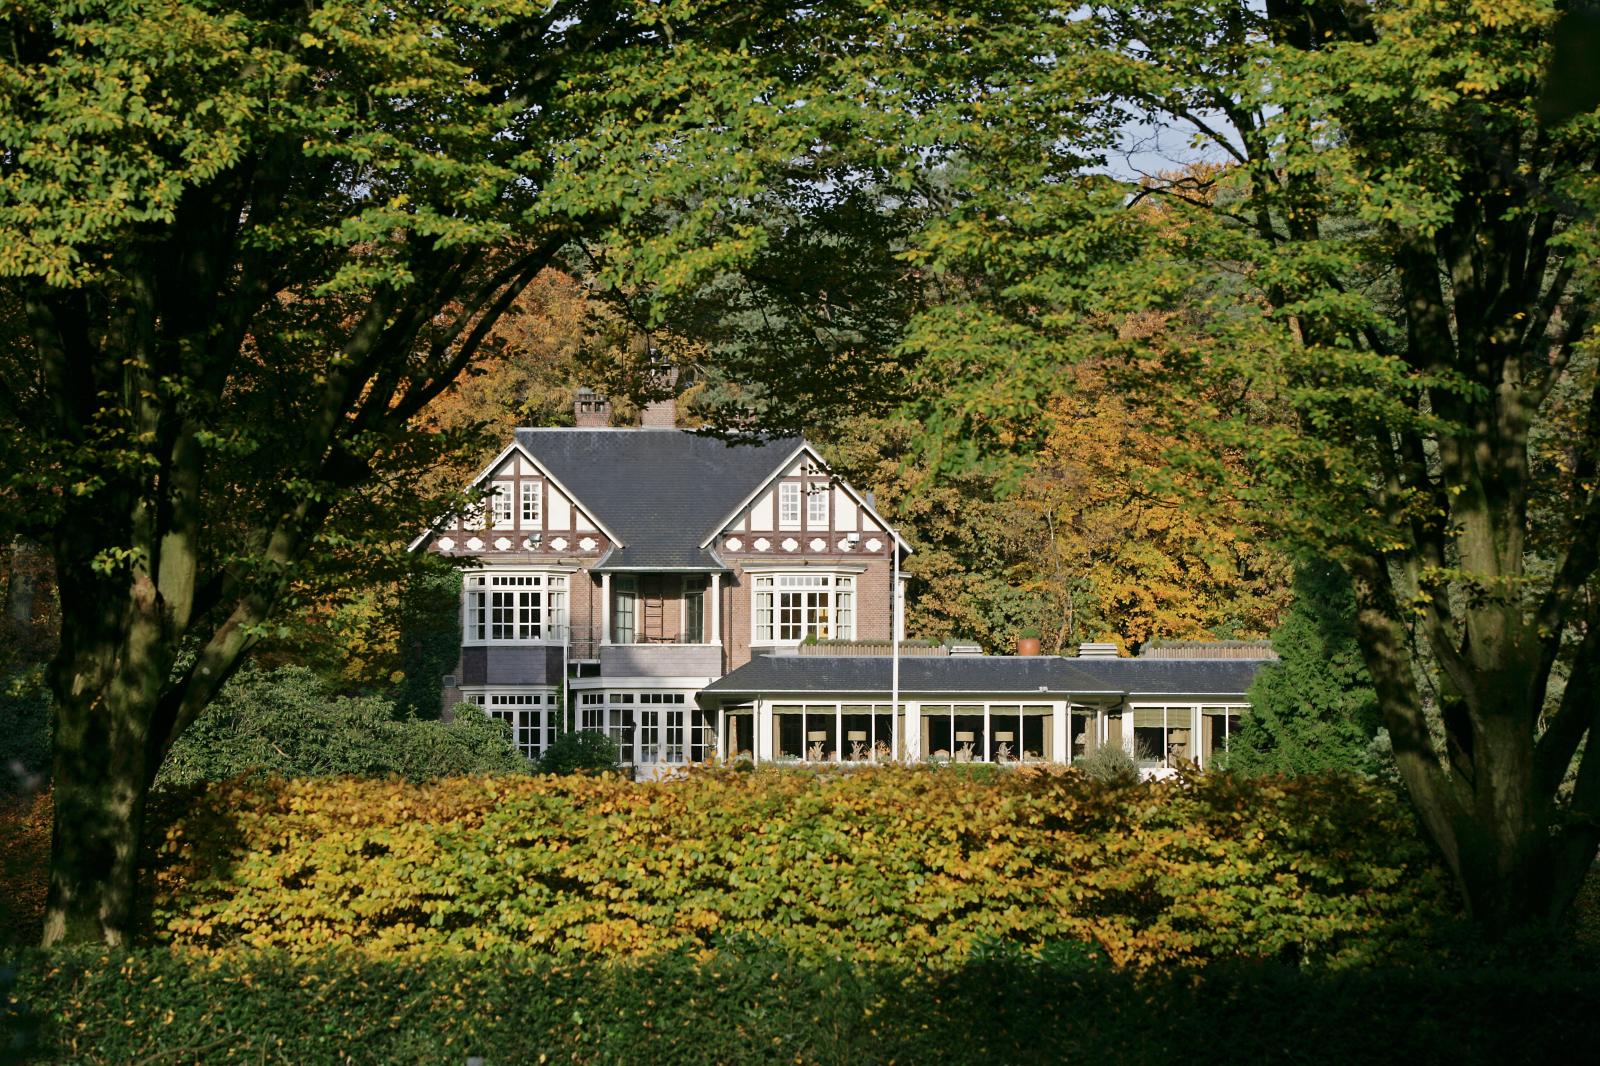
pixel 894 865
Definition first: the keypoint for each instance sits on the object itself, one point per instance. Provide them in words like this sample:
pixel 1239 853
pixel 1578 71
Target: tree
pixel 1314 710
pixel 244 245
pixel 1383 298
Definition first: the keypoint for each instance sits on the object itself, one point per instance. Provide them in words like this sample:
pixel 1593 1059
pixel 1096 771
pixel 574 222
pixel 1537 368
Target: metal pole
pixel 894 638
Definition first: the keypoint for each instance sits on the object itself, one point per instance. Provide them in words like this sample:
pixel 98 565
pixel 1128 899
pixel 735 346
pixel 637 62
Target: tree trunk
pixel 101 786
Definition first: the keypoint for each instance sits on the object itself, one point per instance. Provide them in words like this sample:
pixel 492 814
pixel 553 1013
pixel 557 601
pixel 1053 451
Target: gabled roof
pixel 515 448
pixel 999 675
pixel 803 448
pixel 658 490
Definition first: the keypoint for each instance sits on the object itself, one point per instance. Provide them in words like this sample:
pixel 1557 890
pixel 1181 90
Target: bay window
pixel 791 607
pixel 513 608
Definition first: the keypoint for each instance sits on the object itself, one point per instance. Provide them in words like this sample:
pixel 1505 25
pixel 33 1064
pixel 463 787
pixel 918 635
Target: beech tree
pixel 243 244
pixel 1381 293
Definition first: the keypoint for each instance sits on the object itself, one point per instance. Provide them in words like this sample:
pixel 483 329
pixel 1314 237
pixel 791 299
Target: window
pixel 791 607
pixel 501 499
pixel 624 605
pixel 817 505
pixel 510 608
pixel 789 505
pixel 532 716
pixel 531 514
pixel 694 616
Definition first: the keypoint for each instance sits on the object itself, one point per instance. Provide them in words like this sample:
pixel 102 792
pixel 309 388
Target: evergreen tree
pixel 1315 710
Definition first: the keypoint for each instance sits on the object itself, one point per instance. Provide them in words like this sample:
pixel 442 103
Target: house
pixel 705 600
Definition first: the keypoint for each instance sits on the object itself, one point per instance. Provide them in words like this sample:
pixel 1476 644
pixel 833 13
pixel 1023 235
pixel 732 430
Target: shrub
pixel 1109 765
pixel 893 864
pixel 286 722
pixel 757 1006
pixel 578 751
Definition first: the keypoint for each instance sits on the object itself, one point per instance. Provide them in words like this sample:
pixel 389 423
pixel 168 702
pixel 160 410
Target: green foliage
pixel 1314 710
pixel 753 1005
pixel 1109 765
pixel 578 751
pixel 1363 307
pixel 893 865
pixel 287 722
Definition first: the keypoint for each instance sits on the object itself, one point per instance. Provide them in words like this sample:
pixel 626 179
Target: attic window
pixel 531 514
pixel 789 505
pixel 817 505
pixel 502 505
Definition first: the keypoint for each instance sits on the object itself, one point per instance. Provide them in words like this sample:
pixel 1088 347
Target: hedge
pixel 915 866
pixel 757 1006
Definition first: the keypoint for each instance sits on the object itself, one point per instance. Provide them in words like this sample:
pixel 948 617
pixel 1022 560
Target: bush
pixel 286 722
pixel 892 864
pixel 755 1006
pixel 579 751
pixel 1109 765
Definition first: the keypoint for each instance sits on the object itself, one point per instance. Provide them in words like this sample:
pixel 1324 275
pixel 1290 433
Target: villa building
pixel 706 601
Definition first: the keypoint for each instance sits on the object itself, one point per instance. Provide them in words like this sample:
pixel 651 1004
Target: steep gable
pixel 659 490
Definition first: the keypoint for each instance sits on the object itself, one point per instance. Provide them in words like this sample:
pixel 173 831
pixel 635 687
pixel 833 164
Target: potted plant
pixel 1028 641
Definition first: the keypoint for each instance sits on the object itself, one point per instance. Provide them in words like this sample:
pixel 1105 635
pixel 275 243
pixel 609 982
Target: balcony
pixel 660 660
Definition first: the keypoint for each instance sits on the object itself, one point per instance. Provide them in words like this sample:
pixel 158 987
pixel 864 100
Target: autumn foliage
pixel 912 866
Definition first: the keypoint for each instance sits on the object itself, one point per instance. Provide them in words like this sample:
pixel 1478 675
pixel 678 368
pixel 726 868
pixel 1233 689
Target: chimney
pixel 662 414
pixel 590 410
pixel 659 414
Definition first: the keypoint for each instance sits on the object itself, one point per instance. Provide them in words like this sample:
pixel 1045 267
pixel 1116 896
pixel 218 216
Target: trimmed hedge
pixel 755 1006
pixel 916 866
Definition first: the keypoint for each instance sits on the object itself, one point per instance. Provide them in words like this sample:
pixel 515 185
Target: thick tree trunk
pixel 101 784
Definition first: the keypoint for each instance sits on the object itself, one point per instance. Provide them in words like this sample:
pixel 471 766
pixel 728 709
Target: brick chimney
pixel 661 414
pixel 590 410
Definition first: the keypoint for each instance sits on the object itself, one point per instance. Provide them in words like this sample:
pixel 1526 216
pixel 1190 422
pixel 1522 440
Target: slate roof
pixel 778 675
pixel 659 490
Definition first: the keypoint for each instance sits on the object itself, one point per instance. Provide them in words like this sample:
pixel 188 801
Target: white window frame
pixel 531 504
pixel 502 505
pixel 500 607
pixel 817 494
pixel 534 714
pixel 830 616
pixel 789 508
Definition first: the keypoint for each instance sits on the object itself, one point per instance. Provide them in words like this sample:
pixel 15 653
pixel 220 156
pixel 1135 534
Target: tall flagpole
pixel 894 640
